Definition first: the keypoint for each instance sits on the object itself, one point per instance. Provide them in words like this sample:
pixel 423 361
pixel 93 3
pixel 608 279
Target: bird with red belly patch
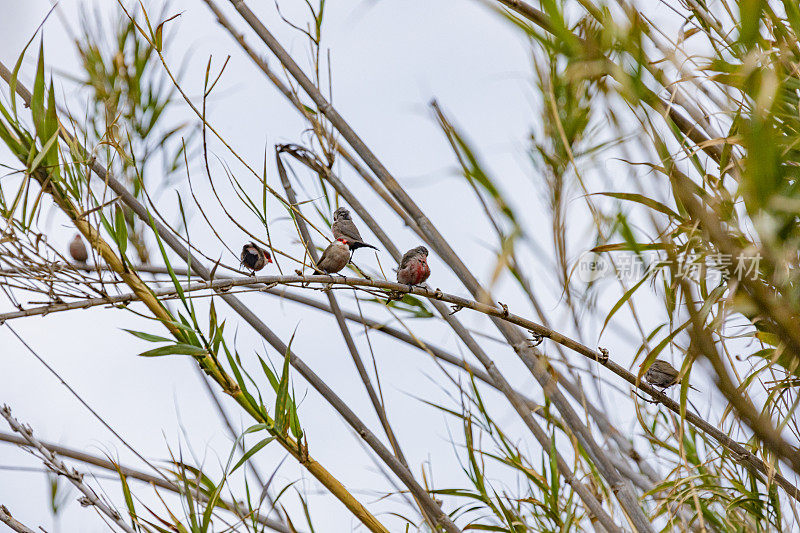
pixel 414 268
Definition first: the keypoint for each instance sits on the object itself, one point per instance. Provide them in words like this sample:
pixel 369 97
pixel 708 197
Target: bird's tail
pixel 357 245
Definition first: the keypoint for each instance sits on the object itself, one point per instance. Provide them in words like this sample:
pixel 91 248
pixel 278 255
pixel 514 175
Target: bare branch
pixel 144 477
pixel 58 466
pixel 7 519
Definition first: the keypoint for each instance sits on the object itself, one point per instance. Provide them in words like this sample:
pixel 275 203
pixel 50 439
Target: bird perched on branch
pixel 254 257
pixel 77 250
pixel 343 227
pixel 663 375
pixel 335 257
pixel 414 268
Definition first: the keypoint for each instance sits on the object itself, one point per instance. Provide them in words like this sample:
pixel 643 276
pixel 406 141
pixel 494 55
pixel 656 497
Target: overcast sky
pixel 389 59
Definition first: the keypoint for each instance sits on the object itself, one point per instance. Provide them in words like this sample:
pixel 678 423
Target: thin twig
pixel 144 477
pixel 7 519
pixel 58 466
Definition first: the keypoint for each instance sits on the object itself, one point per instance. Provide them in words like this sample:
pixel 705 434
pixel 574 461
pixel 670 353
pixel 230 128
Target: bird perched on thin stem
pixel 254 257
pixel 663 375
pixel 414 268
pixel 343 227
pixel 335 257
pixel 77 250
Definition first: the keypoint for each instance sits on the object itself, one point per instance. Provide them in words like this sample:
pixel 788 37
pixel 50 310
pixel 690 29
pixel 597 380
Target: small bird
pixel 343 227
pixel 663 375
pixel 254 257
pixel 414 268
pixel 335 257
pixel 78 250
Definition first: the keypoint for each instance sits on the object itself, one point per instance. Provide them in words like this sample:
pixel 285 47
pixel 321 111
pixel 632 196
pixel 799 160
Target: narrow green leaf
pixel 621 302
pixel 644 200
pixel 251 452
pixel 120 229
pixel 628 247
pixel 43 153
pixel 12 85
pixel 37 98
pixel 177 349
pixel 147 336
pixel 50 130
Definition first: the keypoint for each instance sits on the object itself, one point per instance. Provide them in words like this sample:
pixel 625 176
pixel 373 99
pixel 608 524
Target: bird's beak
pixel 269 260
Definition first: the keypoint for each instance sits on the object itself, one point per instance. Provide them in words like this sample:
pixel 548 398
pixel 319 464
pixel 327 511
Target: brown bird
pixel 414 268
pixel 343 227
pixel 663 375
pixel 78 250
pixel 254 257
pixel 335 257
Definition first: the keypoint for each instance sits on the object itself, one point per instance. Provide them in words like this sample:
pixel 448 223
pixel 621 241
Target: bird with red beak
pixel 77 250
pixel 414 269
pixel 254 257
pixel 343 227
pixel 335 257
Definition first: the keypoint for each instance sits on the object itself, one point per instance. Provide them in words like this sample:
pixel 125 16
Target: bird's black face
pixel 341 214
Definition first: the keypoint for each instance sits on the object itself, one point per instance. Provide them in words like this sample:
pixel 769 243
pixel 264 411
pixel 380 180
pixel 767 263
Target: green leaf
pixel 43 153
pixel 159 40
pixel 629 247
pixel 644 200
pixel 50 131
pixel 410 304
pixel 37 98
pixel 793 14
pixel 12 85
pixel 283 395
pixel 251 452
pixel 126 492
pixel 167 262
pixel 621 302
pixel 282 400
pixel 147 336
pixel 120 229
pixel 177 349
pixel 750 16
